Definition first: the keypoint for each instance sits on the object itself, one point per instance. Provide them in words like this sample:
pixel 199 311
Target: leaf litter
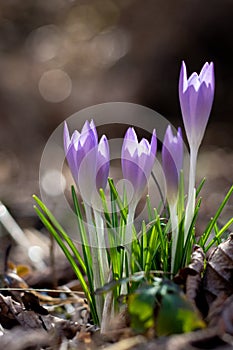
pixel 60 318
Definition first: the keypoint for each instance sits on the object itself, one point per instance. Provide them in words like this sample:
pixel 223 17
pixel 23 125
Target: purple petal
pixel 75 138
pixel 66 137
pixel 188 105
pixel 194 81
pixel 87 141
pixel 153 143
pixel 196 101
pixel 183 84
pixel 130 143
pixel 86 127
pixel 126 162
pixel 72 162
pixel 131 135
pixel 179 149
pixel 93 128
pixel 143 163
pixel 87 172
pixel 103 163
pixel 203 72
pixel 203 108
pixel 186 113
pixel 172 160
pixel 144 146
pixel 209 76
pixel 171 174
pixel 137 160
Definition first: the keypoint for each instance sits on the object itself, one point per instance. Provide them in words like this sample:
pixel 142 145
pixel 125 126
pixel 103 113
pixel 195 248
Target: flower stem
pixel 174 226
pixel 103 261
pixel 95 260
pixel 129 229
pixel 107 310
pixel 192 170
pixel 191 190
pixel 128 239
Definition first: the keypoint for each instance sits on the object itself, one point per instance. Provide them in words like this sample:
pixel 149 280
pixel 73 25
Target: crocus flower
pixel 88 160
pixel 137 160
pixel 103 157
pixel 196 98
pixel 172 160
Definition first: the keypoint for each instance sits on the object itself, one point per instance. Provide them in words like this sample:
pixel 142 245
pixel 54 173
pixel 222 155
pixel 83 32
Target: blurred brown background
pixel 59 56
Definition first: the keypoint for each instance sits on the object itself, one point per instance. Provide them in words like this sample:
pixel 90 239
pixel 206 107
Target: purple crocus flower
pixel 103 163
pixel 172 160
pixel 196 98
pixel 137 160
pixel 88 160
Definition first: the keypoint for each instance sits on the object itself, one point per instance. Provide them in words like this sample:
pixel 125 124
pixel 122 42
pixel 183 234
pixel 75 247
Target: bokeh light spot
pixel 55 85
pixel 53 183
pixel 44 42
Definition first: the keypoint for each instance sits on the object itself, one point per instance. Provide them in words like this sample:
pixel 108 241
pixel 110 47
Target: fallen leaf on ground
pixel 218 277
pixel 12 310
pixel 193 281
pixel 221 314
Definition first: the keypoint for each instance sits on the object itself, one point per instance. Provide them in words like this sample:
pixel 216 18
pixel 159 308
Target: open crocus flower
pixel 88 160
pixel 196 98
pixel 172 160
pixel 137 160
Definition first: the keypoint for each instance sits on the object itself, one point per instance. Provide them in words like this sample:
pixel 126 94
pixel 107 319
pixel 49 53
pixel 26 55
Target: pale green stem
pixel 103 258
pixel 130 225
pixel 95 260
pixel 191 191
pixel 107 310
pixel 128 241
pixel 174 227
pixel 192 171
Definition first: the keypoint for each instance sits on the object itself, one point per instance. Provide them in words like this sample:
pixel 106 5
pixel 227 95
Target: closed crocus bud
pixel 103 163
pixel 196 98
pixel 137 160
pixel 88 160
pixel 172 160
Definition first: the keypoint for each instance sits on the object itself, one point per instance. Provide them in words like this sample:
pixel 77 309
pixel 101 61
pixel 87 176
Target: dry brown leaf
pixel 19 339
pixel 84 337
pixel 54 327
pixel 60 330
pixel 197 259
pixel 193 282
pixel 12 310
pixel 31 302
pixel 218 277
pixel 195 267
pixel 128 343
pixel 221 314
pixel 190 276
pixel 202 339
pixel 7 318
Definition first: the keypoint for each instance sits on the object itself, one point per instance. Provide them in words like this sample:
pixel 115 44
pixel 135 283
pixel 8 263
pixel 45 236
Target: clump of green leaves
pixel 150 250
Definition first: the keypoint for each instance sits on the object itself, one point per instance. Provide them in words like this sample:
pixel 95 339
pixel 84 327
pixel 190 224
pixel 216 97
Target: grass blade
pixel 61 231
pixel 212 222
